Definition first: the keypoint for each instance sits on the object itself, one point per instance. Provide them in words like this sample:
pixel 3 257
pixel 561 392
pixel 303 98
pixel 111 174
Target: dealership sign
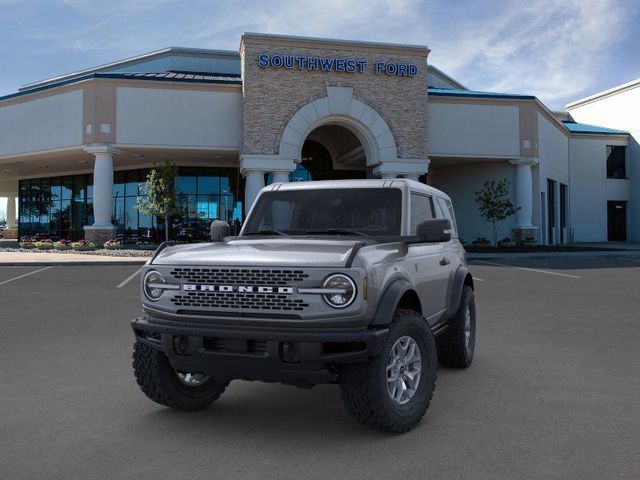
pixel 331 64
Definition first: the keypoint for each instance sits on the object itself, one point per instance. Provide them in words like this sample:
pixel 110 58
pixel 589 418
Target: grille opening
pixel 239 276
pixel 239 301
pixel 216 344
pixel 343 347
pixel 213 313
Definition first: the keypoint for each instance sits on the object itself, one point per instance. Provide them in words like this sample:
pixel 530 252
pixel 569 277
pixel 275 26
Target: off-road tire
pixel 159 381
pixel 453 350
pixel 364 385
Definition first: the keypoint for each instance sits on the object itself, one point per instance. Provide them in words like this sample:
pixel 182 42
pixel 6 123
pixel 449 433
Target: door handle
pixel 445 261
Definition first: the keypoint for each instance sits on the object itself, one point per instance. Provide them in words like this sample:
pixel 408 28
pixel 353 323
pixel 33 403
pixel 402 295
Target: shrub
pixel 43 244
pixel 113 243
pixel 62 244
pixel 83 245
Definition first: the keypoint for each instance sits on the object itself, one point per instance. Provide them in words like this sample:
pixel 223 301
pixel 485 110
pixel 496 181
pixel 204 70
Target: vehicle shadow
pixel 265 411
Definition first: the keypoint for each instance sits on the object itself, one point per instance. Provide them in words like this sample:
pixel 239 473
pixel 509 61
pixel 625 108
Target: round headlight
pixel 152 285
pixel 344 290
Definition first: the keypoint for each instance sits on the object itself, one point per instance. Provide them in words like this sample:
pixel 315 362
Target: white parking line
pixel 129 278
pixel 528 269
pixel 25 275
pixel 478 279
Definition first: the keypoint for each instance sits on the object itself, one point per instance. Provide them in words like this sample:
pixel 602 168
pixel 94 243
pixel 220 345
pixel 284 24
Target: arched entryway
pixel 331 152
pixel 327 127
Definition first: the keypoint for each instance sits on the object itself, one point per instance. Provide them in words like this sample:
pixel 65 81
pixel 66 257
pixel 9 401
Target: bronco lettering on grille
pixel 237 288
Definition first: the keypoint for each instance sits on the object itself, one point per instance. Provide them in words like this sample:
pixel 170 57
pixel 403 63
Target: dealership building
pixel 75 149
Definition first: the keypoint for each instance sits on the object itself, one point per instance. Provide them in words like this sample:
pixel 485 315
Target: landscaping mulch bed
pixel 101 251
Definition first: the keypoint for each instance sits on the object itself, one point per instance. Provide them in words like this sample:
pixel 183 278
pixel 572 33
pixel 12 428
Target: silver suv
pixel 362 283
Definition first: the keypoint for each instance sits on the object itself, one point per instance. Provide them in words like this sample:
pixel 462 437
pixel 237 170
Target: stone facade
pixel 99 235
pixel 271 96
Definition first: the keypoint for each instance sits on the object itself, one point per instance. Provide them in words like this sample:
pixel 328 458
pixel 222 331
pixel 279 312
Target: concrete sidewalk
pixel 635 254
pixel 36 259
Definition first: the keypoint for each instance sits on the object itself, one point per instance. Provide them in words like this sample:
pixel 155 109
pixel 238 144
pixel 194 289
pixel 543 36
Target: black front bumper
pixel 298 357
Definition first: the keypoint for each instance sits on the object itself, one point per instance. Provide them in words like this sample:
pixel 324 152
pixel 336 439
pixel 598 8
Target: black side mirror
pixel 435 230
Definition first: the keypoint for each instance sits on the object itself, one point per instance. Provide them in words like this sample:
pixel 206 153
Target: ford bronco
pixel 362 283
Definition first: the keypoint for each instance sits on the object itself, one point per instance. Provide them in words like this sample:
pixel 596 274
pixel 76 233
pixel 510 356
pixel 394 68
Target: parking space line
pixel 25 275
pixel 528 269
pixel 129 278
pixel 478 279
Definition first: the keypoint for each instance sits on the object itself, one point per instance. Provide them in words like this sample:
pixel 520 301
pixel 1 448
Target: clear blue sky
pixel 557 50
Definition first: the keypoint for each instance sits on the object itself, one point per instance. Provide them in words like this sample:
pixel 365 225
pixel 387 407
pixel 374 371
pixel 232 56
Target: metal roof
pixel 450 92
pixel 173 75
pixel 575 127
pixel 158 77
pixel 132 61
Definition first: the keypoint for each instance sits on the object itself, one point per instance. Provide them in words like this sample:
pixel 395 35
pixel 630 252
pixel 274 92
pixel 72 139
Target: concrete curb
pixel 531 255
pixel 116 263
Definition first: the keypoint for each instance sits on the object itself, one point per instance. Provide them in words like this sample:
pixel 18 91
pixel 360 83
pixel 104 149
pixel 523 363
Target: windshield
pixel 337 211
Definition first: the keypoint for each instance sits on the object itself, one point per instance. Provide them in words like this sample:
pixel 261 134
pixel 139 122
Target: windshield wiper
pixel 338 231
pixel 266 232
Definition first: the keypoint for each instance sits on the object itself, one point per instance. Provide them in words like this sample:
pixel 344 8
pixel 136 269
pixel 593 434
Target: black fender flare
pixel 461 277
pixel 389 301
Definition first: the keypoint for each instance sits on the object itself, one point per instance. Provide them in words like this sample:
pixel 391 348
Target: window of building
pixel 421 210
pixel 616 161
pixel 60 207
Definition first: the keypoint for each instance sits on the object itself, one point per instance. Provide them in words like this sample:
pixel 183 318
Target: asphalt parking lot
pixel 554 391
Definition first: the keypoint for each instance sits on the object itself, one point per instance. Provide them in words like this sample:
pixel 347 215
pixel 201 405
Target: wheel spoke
pixel 400 390
pixel 404 365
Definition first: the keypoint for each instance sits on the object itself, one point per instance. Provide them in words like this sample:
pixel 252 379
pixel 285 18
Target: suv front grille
pixel 239 276
pixel 239 301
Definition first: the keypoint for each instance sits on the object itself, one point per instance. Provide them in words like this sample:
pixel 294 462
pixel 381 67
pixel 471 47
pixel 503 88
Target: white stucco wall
pixel 553 158
pixel 186 118
pixel 621 111
pixel 465 129
pixel 590 189
pixel 43 124
pixel 461 182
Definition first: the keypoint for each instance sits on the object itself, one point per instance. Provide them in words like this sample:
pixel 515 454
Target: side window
pixel 447 210
pixel 421 210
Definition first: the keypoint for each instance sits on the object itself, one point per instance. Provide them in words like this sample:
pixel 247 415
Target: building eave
pixel 603 94
pixel 121 76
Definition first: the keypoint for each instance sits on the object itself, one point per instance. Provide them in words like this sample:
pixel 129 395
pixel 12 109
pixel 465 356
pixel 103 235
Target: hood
pixel 261 252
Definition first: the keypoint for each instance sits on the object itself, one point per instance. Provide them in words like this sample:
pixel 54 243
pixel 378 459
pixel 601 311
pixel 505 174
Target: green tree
pixel 494 203
pixel 159 194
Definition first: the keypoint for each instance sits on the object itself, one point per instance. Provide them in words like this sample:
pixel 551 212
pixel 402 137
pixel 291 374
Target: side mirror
pixel 219 230
pixel 435 230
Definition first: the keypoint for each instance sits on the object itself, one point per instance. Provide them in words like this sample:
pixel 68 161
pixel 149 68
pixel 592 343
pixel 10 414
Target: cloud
pixel 558 51
pixel 544 47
